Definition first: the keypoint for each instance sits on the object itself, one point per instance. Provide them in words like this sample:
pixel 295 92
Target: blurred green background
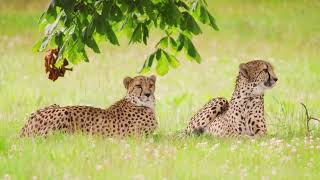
pixel 286 33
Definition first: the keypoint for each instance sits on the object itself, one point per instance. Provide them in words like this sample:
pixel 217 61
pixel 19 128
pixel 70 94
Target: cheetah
pixel 244 115
pixel 132 115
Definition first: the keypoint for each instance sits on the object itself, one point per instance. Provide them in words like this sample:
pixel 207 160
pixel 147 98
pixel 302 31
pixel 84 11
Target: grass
pixel 286 33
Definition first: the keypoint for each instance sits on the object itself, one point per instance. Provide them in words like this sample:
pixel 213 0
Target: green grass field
pixel 286 33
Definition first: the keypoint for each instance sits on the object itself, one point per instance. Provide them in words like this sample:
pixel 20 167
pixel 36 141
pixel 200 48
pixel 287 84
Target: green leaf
pixel 158 54
pixel 45 43
pixel 213 22
pixel 61 50
pixel 58 39
pixel 173 61
pixel 104 28
pixel 116 13
pixel 69 48
pixel 183 5
pixel 74 50
pixel 99 6
pixel 205 2
pixel 192 53
pixel 51 12
pixel 204 18
pixel 124 22
pixel 43 23
pixel 111 35
pixel 162 66
pixel 180 42
pixel 37 45
pixel 173 44
pixel 91 27
pixel 50 33
pixel 190 24
pixel 136 35
pixel 194 5
pixel 88 34
pixel 147 64
pixel 91 42
pixel 172 15
pixel 150 60
pixel 163 43
pixel 85 56
pixel 145 34
pixel 67 5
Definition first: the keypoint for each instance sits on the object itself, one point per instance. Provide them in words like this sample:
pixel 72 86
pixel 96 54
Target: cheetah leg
pixel 256 124
pixel 259 129
pixel 206 115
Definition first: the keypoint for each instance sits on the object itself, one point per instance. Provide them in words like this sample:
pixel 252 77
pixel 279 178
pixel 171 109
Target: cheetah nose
pixel 147 94
pixel 275 79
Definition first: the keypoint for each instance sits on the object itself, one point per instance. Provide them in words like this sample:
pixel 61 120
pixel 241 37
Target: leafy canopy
pixel 72 25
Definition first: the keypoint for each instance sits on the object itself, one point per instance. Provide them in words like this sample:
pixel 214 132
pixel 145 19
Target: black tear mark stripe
pixel 141 91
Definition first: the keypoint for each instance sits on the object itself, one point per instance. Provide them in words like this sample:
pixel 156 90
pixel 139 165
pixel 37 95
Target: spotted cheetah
pixel 245 114
pixel 132 115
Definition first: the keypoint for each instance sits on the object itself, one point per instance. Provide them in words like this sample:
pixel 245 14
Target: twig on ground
pixel 309 118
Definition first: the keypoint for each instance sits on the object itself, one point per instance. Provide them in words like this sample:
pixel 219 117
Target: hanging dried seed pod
pixel 50 67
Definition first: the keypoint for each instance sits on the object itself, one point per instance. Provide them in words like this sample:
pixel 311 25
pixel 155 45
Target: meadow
pixel 286 33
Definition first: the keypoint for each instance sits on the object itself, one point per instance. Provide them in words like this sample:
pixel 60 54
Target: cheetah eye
pixel 265 70
pixel 138 86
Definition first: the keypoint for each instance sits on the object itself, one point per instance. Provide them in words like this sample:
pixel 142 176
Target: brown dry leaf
pixel 50 61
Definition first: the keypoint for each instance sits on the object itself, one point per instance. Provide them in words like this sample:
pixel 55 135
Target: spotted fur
pixel 206 115
pixel 245 114
pixel 133 115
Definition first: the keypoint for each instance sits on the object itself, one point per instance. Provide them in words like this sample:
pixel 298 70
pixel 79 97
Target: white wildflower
pixel 155 153
pixel 214 147
pixel 138 177
pixel 6 177
pixel 233 148
pixel 202 145
pixel 98 167
pixel 151 140
pixel 105 161
pixel 243 173
pixel 184 146
pixel 285 159
pixel 13 147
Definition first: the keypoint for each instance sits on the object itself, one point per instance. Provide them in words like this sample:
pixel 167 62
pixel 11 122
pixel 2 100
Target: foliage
pixel 72 25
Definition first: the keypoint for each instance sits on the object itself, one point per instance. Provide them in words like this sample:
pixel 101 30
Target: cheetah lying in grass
pixel 245 113
pixel 133 115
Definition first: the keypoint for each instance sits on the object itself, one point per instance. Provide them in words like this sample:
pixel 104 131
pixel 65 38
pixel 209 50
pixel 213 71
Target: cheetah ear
pixel 126 81
pixel 153 78
pixel 244 70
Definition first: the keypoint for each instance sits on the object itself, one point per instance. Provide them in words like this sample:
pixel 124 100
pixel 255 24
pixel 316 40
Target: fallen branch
pixel 309 118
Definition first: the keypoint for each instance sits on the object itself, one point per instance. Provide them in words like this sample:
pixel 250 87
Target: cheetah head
pixel 259 74
pixel 140 90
